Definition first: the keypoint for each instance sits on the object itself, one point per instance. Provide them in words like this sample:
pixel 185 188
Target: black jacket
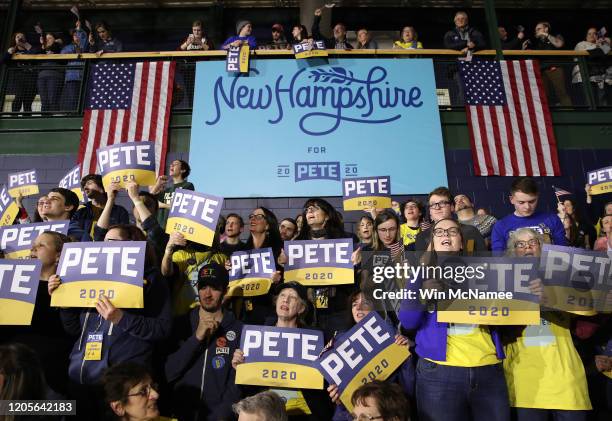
pixel 453 41
pixel 330 43
pixel 201 373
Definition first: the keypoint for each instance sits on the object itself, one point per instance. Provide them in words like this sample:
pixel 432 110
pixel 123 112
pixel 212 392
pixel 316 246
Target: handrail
pixel 288 53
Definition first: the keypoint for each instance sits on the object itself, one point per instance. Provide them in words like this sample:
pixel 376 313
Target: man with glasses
pixel 524 196
pixel 441 206
pixel 382 401
pixel 200 371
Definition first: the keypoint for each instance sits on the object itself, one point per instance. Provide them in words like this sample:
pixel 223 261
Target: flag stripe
pixel 139 110
pixel 510 126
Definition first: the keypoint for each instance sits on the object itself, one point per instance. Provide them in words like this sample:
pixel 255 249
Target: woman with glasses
pixel 125 334
pixel 459 374
pixel 360 306
pixel 264 233
pixel 544 372
pixel 323 222
pixel 130 393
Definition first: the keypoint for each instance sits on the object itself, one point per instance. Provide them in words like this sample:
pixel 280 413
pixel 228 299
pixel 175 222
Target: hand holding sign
pixel 107 310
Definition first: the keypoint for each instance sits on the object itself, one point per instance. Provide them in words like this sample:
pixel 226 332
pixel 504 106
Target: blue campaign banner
pixel 366 352
pixel 307 124
pixel 280 357
pixel 576 280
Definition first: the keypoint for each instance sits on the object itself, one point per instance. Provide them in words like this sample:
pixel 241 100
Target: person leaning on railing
pixel 598 48
pixel 104 42
pixel 463 37
pixel 409 39
pixel 244 29
pixel 24 79
pixel 50 78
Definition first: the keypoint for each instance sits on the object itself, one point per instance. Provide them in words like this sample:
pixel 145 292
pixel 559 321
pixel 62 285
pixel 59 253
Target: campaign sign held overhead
pixel 24 183
pixel 280 357
pixel 251 272
pixel 114 269
pixel 194 215
pixel 129 161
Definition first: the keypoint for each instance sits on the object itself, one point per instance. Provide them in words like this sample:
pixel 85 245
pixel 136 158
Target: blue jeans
pixel 533 414
pixel 448 393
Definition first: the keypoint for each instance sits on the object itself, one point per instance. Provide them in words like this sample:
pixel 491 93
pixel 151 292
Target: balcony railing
pixel 62 78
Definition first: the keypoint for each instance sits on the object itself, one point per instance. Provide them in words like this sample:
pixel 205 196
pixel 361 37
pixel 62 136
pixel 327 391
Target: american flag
pixel 510 126
pixel 560 192
pixel 127 102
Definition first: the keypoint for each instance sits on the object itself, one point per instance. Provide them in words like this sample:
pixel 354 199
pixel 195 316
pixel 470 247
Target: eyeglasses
pixel 450 232
pixel 387 230
pixel 364 417
pixel 145 392
pixel 257 216
pixel 312 209
pixel 439 205
pixel 523 244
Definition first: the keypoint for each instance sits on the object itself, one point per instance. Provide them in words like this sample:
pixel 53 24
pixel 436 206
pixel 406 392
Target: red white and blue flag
pixel 127 102
pixel 507 111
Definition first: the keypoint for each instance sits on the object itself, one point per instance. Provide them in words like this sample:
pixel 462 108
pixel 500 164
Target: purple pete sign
pixel 8 208
pixel 366 352
pixel 194 215
pixel 576 280
pixel 280 357
pixel 367 192
pixel 114 269
pixel 251 272
pixel 72 181
pixel 130 161
pixel 24 183
pixel 320 262
pixel 18 287
pixel 16 240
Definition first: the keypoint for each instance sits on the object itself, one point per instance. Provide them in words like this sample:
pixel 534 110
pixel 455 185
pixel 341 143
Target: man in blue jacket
pixel 200 371
pixel 86 217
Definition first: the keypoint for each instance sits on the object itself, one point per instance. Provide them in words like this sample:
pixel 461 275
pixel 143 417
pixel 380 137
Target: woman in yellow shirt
pixel 409 39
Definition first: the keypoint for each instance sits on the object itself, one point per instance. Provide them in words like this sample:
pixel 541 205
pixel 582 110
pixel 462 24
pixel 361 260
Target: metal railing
pixel 40 85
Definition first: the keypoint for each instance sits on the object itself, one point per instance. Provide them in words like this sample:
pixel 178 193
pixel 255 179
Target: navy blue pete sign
pixel 311 48
pixel 130 161
pixel 251 272
pixel 576 280
pixel 319 262
pixel 114 269
pixel 331 111
pixel 194 215
pixel 16 240
pixel 238 59
pixel 280 357
pixel 368 192
pixel 72 181
pixel 18 289
pixel 366 352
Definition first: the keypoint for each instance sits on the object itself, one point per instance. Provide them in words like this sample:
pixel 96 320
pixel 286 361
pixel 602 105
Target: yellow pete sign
pixel 8 208
pixel 320 262
pixel 23 183
pixel 367 192
pixel 194 215
pixel 600 181
pixel 72 181
pixel 113 269
pixel 280 357
pixel 130 161
pixel 310 49
pixel 237 60
pixel 251 273
pixel 18 288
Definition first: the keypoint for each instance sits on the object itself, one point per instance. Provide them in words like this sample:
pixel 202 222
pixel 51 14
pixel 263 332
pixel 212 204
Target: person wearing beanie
pixel 244 29
pixel 200 370
pixel 292 311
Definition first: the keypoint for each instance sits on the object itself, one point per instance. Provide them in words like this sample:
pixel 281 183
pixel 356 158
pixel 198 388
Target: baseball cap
pixel 213 275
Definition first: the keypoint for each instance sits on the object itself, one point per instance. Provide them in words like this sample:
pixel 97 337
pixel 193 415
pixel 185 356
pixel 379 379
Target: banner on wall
pixel 319 262
pixel 16 240
pixel 365 353
pixel 24 183
pixel 114 269
pixel 194 215
pixel 18 289
pixel 129 161
pixel 280 357
pixel 251 272
pixel 8 208
pixel 322 119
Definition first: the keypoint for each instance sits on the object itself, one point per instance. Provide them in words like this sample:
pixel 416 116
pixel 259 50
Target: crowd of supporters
pixel 178 354
pixel 58 89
